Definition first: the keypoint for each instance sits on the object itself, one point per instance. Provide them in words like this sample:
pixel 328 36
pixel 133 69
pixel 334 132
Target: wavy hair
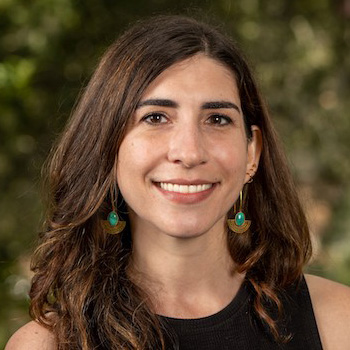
pixel 80 289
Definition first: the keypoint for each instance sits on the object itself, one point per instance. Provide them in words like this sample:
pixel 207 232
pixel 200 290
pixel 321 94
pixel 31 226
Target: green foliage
pixel 48 50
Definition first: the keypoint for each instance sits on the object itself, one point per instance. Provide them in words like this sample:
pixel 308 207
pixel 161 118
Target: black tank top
pixel 237 327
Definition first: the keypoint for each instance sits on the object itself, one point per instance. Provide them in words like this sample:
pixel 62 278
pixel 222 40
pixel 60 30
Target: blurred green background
pixel 49 48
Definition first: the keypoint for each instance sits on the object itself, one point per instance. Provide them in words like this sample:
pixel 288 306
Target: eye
pixel 155 118
pixel 218 119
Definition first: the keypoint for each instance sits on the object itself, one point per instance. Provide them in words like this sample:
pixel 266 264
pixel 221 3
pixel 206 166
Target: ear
pixel 254 152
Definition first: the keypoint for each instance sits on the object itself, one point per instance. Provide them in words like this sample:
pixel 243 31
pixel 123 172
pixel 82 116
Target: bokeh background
pixel 299 49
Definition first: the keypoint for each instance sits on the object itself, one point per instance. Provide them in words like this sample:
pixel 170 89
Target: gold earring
pixel 251 174
pixel 113 225
pixel 239 224
pixel 250 179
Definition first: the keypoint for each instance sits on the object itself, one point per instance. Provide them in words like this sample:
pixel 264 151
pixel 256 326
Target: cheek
pixel 232 158
pixel 135 157
pixel 127 169
pixel 127 157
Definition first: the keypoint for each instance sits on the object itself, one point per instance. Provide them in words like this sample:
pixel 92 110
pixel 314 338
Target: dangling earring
pixel 113 225
pixel 239 224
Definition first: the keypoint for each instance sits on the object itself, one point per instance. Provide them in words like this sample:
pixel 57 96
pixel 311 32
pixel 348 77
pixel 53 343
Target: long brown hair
pixel 80 271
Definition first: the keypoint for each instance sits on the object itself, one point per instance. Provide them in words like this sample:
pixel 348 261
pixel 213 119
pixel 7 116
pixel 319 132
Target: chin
pixel 186 235
pixel 185 231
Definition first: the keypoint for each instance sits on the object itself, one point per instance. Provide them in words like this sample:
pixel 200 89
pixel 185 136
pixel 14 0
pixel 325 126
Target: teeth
pixel 184 188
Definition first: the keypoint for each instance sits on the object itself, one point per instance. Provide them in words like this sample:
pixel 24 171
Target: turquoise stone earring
pixel 113 218
pixel 113 225
pixel 239 224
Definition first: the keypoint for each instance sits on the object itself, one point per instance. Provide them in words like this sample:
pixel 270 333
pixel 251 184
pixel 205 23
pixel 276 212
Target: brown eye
pixel 155 118
pixel 218 119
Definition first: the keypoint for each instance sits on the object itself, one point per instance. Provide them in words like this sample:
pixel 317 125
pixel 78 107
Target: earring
pixel 251 174
pixel 250 179
pixel 239 224
pixel 113 225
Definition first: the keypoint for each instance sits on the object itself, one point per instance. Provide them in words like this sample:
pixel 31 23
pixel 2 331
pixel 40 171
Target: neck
pixel 185 277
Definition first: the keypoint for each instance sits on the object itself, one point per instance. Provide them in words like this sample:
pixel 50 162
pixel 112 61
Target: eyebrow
pixel 157 102
pixel 173 104
pixel 220 104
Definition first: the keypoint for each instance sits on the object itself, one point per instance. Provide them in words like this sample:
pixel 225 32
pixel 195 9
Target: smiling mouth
pixel 170 187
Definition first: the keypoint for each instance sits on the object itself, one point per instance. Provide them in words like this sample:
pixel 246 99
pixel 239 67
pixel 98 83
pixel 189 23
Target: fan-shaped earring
pixel 113 225
pixel 239 224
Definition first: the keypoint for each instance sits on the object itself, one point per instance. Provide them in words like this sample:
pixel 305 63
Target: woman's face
pixel 185 156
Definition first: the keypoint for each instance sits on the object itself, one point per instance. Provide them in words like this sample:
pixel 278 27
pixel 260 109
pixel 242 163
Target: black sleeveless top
pixel 237 327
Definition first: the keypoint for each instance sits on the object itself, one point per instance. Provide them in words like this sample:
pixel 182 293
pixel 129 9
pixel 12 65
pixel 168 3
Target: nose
pixel 187 146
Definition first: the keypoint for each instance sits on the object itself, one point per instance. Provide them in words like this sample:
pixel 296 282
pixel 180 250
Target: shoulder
pixel 331 304
pixel 32 336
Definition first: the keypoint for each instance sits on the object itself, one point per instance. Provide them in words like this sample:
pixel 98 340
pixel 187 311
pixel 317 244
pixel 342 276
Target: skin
pixel 331 304
pixel 32 336
pixel 180 251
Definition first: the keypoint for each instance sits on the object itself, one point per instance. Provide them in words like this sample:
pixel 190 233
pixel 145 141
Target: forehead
pixel 197 75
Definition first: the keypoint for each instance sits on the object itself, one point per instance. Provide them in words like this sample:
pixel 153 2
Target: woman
pixel 173 219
